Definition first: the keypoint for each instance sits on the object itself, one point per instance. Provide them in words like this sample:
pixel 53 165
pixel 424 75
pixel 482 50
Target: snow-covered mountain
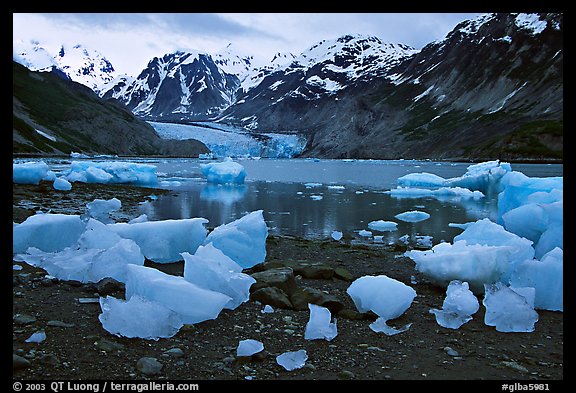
pixel 178 86
pixel 322 70
pixel 83 65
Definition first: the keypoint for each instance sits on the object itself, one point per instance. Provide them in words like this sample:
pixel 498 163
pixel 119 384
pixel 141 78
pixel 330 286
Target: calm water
pixel 311 199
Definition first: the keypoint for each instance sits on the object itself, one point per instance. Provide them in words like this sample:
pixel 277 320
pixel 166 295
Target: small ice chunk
pixel 225 172
pixel 249 347
pixel 61 184
pixel 37 337
pixel 458 307
pixel 138 317
pixel 140 218
pixel 385 296
pixel 316 197
pixel 336 235
pixel 292 360
pixel 380 326
pixel 267 309
pixel 319 326
pixel 413 216
pixel 383 226
pixel 507 310
pixel 243 240
pixel 100 209
pixel 365 233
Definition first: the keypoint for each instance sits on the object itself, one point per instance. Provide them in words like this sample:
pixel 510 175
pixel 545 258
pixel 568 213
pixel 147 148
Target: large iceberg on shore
pixel 192 303
pixel 138 317
pixel 164 241
pixel 476 264
pixel 225 172
pixel 47 232
pixel 210 268
pixel 243 240
pixel 546 276
pixel 112 172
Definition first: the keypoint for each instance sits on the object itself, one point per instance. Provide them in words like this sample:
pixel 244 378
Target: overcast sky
pixel 130 40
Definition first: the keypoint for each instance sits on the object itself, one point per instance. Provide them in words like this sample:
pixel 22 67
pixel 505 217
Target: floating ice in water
pixel 316 197
pixel 458 307
pixel 138 317
pixel 37 337
pixel 112 172
pixel 365 233
pixel 423 241
pixel 383 226
pixel 507 310
pixel 292 360
pixel 62 184
pixel 249 347
pixel 243 240
pixel 486 232
pixel 267 309
pixel 440 193
pixel 311 185
pixel 47 232
pixel 485 176
pixel 163 241
pixel 192 303
pixel 423 179
pixel 336 235
pixel 100 209
pixel 413 216
pixel 210 268
pixel 224 172
pixel 319 326
pixel 386 297
pixel 546 276
pixel 31 172
pixel 476 264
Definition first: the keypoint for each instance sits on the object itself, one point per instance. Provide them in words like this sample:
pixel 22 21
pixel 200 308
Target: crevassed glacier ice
pixel 112 172
pixel 225 172
pixel 507 310
pixel 164 241
pixel 138 317
pixel 458 306
pixel 243 240
pixel 546 276
pixel 320 325
pixel 192 303
pixel 210 268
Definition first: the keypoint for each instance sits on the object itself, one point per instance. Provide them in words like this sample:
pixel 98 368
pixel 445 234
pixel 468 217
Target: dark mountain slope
pixel 71 117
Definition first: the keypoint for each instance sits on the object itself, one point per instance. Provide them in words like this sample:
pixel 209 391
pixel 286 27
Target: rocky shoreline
pixel 296 272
